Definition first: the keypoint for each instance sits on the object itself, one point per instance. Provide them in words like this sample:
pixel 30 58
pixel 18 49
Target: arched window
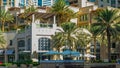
pixel 29 44
pixel 21 43
pixel 44 44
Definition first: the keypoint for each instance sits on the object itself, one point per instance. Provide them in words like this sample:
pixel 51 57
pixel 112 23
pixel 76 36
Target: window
pixel 44 44
pixel 10 42
pixel 101 5
pixel 92 50
pixel 21 43
pixel 107 1
pixel 113 45
pixel 97 50
pixel 83 17
pixel 29 44
pixel 97 56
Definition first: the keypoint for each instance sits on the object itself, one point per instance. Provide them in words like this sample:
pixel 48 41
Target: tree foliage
pixel 5 17
pixel 108 25
pixel 62 11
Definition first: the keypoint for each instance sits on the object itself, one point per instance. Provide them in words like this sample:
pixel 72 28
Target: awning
pixel 1 52
pixel 9 52
pixel 26 51
pixel 21 52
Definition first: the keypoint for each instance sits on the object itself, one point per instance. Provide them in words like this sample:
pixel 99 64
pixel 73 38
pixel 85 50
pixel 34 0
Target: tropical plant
pixel 94 37
pixel 63 13
pixel 2 43
pixel 108 24
pixel 2 40
pixel 31 9
pixel 71 36
pixel 5 17
pixel 64 37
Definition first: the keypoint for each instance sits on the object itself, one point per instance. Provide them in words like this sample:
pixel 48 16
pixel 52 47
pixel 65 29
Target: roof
pixel 38 15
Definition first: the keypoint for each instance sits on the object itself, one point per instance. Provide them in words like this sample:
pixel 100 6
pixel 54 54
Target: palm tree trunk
pixel 5 55
pixel 3 26
pixel 109 46
pixel 95 46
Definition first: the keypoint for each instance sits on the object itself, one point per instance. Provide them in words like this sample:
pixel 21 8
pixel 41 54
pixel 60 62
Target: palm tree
pixel 65 37
pixel 63 13
pixel 5 17
pixel 94 37
pixel 71 36
pixel 31 9
pixel 107 24
pixel 2 43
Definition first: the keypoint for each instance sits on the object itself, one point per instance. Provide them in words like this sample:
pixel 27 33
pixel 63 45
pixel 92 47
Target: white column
pixel 25 40
pixel 16 47
pixel 33 18
pixel 54 22
pixel 54 19
pixel 33 35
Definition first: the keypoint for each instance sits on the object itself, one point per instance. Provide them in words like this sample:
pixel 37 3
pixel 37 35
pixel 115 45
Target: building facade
pixel 105 3
pixel 23 3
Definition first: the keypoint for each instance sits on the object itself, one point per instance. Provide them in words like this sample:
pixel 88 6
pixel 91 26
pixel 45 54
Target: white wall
pixel 40 32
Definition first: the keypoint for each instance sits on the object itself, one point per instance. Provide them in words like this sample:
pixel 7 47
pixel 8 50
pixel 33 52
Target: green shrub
pixel 113 61
pixel 2 64
pixel 18 63
pixel 6 64
pixel 35 63
pixel 98 61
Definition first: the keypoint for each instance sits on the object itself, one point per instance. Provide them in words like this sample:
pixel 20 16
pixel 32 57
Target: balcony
pixel 44 25
pixel 45 31
pixel 24 32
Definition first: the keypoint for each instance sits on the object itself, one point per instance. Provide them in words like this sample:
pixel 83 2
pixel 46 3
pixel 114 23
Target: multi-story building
pixel 23 3
pixel 35 38
pixel 105 3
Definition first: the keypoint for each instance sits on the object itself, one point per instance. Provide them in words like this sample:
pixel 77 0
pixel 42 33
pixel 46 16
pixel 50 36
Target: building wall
pixel 105 3
pixel 41 32
pixel 85 15
pixel 23 3
pixel 10 46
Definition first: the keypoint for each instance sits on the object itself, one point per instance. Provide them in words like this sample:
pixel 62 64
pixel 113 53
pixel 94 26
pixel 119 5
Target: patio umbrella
pixel 71 53
pixel 77 55
pixel 51 53
pixel 89 56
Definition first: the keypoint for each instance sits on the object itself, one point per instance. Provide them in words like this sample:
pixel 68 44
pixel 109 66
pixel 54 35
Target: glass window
pixel 21 43
pixel 113 45
pixel 97 50
pixel 92 50
pixel 101 5
pixel 97 56
pixel 29 44
pixel 10 42
pixel 44 44
pixel 107 1
pixel 4 0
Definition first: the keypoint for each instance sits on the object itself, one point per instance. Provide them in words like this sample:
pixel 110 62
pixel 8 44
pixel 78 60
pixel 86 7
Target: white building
pixel 33 39
pixel 37 37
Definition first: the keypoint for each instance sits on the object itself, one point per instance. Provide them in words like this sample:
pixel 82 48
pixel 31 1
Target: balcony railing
pixel 44 25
